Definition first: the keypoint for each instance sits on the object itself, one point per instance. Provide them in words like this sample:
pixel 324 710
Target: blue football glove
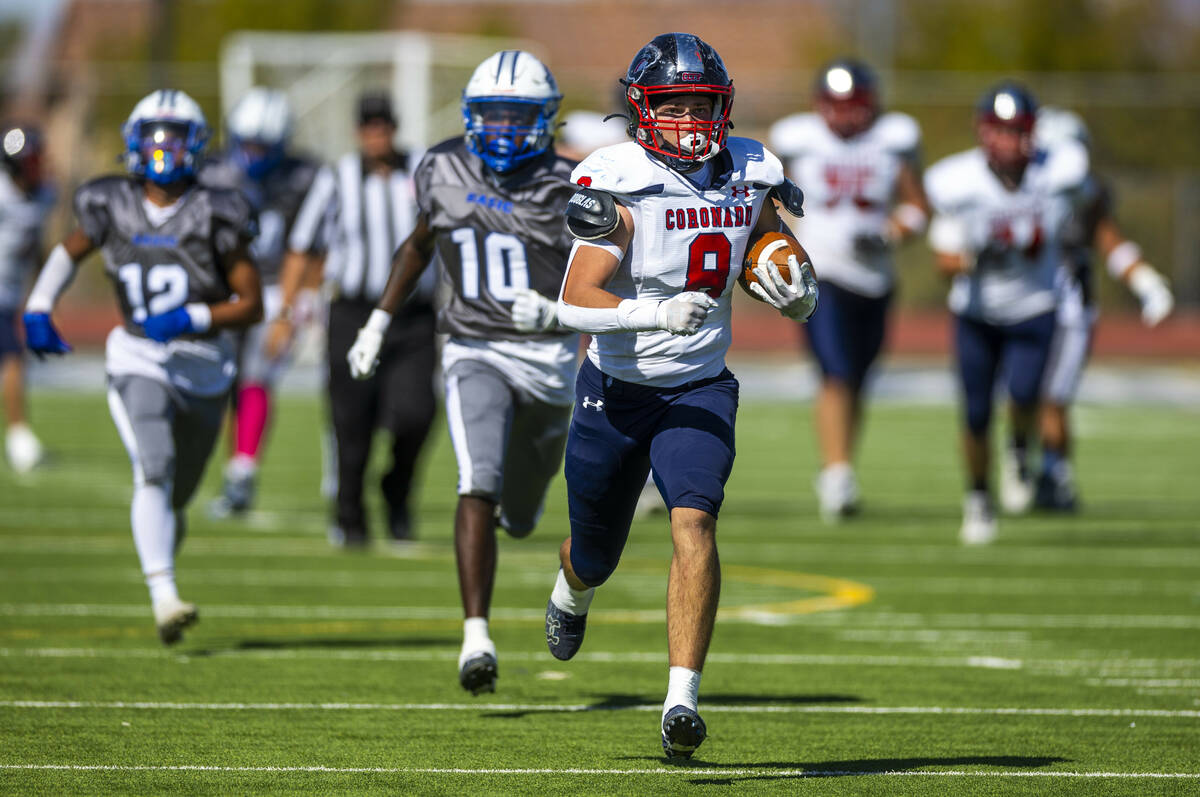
pixel 168 325
pixel 41 337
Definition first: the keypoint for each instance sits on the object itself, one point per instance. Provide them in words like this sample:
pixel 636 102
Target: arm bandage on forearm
pixel 631 315
pixel 55 277
pixel 1123 257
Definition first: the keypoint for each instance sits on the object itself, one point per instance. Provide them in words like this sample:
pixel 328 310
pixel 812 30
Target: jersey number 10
pixel 505 266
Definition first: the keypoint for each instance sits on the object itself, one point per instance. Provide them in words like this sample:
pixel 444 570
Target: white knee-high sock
pixel 153 523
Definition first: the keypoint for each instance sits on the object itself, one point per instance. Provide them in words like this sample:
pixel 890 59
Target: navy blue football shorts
pixel 1021 350
pixel 846 333
pixel 619 432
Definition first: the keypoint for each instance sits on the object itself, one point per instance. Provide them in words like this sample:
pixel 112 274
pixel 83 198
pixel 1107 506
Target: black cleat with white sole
pixel 682 732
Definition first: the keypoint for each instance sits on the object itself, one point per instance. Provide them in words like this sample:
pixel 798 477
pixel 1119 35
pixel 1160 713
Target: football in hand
pixel 770 247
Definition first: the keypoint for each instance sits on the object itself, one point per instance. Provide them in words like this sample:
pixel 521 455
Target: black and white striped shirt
pixel 358 219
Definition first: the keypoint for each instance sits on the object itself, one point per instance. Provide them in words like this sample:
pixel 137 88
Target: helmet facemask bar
pixel 506 132
pixel 695 140
pixel 164 151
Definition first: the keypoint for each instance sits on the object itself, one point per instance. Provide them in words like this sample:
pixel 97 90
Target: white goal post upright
pixel 323 74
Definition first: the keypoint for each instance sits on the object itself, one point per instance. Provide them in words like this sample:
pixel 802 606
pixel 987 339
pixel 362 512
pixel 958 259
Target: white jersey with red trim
pixel 849 187
pixel 689 235
pixel 1016 235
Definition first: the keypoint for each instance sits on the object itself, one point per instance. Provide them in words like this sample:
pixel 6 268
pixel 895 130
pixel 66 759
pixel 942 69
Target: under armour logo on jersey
pixel 744 189
pixel 596 405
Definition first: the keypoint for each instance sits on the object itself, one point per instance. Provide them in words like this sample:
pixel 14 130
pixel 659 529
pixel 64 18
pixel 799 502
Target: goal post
pixel 322 75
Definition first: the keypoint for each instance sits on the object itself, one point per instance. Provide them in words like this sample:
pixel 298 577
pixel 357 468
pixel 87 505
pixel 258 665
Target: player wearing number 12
pixel 177 254
pixel 491 210
pixel 663 223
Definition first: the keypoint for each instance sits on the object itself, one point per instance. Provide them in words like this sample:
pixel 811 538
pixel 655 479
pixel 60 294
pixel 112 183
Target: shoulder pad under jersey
pixel 898 132
pixel 790 196
pixel 591 214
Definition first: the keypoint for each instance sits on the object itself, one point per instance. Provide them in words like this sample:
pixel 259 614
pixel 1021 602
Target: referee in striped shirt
pixel 356 214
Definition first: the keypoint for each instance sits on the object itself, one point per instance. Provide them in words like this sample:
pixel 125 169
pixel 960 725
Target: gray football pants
pixel 169 435
pixel 509 445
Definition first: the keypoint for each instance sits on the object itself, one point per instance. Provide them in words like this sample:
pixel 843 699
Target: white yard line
pixel 1016 711
pixel 680 770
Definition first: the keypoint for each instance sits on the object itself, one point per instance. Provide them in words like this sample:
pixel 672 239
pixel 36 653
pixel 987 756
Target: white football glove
pixel 1152 291
pixel 796 299
pixel 532 312
pixel 684 314
pixel 364 354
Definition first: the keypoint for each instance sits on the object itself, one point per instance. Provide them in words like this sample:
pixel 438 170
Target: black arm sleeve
pixel 790 196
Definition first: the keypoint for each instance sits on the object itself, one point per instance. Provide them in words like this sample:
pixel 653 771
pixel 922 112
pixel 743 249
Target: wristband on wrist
pixel 1123 257
pixel 379 321
pixel 638 315
pixel 200 315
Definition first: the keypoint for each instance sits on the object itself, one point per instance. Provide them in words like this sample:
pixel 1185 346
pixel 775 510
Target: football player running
pixel 26 198
pixel 663 223
pixel 178 256
pixel 860 171
pixel 491 212
pixel 257 163
pixel 1093 231
pixel 1001 214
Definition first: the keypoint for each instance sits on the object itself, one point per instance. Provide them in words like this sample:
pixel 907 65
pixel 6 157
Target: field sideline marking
pixel 1017 711
pixel 680 770
pixel 1143 667
pixel 814 611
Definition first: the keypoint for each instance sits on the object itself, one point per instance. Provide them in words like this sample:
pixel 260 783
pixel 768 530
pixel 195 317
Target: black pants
pixel 398 398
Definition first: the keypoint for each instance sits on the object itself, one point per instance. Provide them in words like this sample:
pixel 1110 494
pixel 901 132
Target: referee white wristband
pixel 379 321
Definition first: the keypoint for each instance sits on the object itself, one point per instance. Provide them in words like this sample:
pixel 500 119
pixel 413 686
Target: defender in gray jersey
pixel 177 254
pixel 258 164
pixel 491 212
pixel 25 200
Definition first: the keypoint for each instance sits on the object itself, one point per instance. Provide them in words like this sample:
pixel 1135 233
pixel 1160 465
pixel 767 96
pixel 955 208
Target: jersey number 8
pixel 166 286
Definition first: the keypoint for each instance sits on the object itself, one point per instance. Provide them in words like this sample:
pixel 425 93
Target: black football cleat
pixel 478 674
pixel 682 732
pixel 564 631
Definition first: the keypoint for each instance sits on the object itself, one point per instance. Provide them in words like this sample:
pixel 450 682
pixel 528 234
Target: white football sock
pixel 154 537
pixel 571 600
pixel 475 639
pixel 683 689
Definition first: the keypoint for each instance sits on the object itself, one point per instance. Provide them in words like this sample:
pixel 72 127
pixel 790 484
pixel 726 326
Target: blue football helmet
pixel 165 136
pixel 509 109
pixel 259 127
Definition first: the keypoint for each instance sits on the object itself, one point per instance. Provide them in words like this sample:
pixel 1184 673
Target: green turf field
pixel 878 657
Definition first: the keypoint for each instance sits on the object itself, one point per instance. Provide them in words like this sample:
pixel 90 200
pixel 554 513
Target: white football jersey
pixel 1023 227
pixel 686 238
pixel 849 187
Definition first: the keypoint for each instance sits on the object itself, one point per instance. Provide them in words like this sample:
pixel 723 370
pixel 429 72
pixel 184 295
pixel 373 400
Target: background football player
pixel 1002 210
pixel 1093 232
pixel 491 206
pixel 178 257
pixel 860 172
pixel 258 164
pixel 25 200
pixel 663 223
